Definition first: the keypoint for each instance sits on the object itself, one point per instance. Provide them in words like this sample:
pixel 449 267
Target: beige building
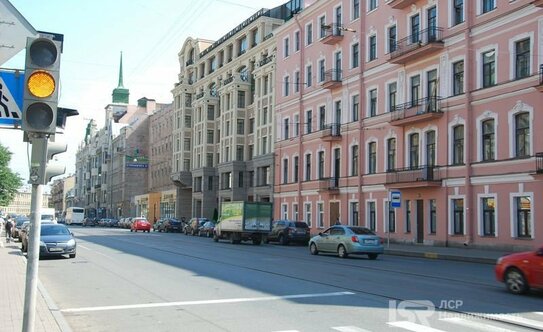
pixel 60 194
pixel 21 202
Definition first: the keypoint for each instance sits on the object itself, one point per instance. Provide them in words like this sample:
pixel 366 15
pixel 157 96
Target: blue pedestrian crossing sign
pixel 11 97
pixel 395 199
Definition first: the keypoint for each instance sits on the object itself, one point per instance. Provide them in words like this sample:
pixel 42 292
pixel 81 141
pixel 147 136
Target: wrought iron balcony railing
pixel 539 162
pixel 417 40
pixel 415 108
pixel 413 174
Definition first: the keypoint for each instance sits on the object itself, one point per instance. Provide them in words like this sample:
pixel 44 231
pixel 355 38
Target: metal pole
pixel 39 155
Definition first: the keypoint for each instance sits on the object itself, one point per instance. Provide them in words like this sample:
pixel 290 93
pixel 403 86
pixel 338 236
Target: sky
pixel 149 33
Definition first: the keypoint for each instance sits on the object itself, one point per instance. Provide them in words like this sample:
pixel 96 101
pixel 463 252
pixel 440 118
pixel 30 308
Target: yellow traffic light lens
pixel 41 84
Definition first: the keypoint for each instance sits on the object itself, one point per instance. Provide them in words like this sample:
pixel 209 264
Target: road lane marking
pixel 518 320
pixel 95 251
pixel 349 329
pixel 410 326
pixel 474 324
pixel 200 302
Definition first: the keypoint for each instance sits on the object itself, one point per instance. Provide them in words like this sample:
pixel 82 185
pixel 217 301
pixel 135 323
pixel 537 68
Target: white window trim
pixel 353 12
pixel 479 62
pixel 451 14
pixel 293 169
pixel 519 108
pixel 317 212
pixel 284 211
pixel 406 145
pixel 479 122
pixel 385 149
pixel 480 7
pixel 450 223
pixel 308 220
pixel 480 216
pixel 304 164
pixel 451 125
pixel 306 35
pixel 295 216
pixel 513 54
pixel 334 13
pixel 283 180
pixel 450 88
pixel 387 36
pixel 294 41
pixel 351 98
pixel 326 116
pixel 367 223
pixel 317 164
pixel 286 90
pixel 387 88
pixel 423 139
pixel 385 219
pixel 334 111
pixel 321 79
pixel 368 100
pixel 351 58
pixel 319 27
pixel 368 47
pixel 351 158
pixel 351 219
pixel 286 41
pixel 424 81
pixel 368 10
pixel 513 217
pixel 296 85
pixel 306 78
pixel 367 150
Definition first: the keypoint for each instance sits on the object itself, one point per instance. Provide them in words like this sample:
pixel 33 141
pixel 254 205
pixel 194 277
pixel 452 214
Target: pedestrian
pixel 337 221
pixel 8 227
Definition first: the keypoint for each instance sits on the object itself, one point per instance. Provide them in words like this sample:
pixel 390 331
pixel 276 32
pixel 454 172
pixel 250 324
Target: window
pixel 285 128
pixel 354 160
pixel 354 214
pixel 320 167
pixel 372 4
pixel 391 218
pixel 309 34
pixel 458 12
pixel 297 82
pixel 286 50
pixel 414 150
pixel 322 117
pixel 241 127
pixel 240 180
pixel 188 121
pixel 239 153
pixel 286 86
pixel 392 92
pixel 322 26
pixel 295 212
pixel 372 157
pixel 458 78
pixel 523 207
pixel 415 29
pixel 296 125
pixel 307 213
pixel 522 135
pixel 309 119
pixel 210 136
pixel 392 36
pixel 488 5
pixel 307 167
pixel 186 144
pixel 309 76
pixel 415 90
pixel 522 59
pixel 433 216
pixel 285 171
pixel 431 148
pixel 264 145
pixel 458 216
pixel 242 45
pixel 264 118
pixel 356 9
pixel 320 215
pixel 296 41
pixel 355 105
pixel 373 48
pixel 209 160
pixel 391 154
pixel 489 68
pixel 354 55
pixel 372 218
pixel 458 145
pixel 251 125
pixel 407 216
pixel 373 102
pixel 322 70
pixel 489 216
pixel 296 166
pixel 488 139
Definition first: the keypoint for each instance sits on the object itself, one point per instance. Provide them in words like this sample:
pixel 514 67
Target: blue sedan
pixel 346 240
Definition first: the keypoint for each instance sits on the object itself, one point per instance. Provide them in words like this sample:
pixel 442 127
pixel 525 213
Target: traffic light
pixel 41 169
pixel 40 98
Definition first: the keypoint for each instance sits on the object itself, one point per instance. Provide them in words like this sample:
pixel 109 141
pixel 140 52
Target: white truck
pixel 48 215
pixel 242 221
pixel 75 215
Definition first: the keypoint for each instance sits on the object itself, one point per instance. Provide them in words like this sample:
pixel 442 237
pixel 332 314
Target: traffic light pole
pixel 39 153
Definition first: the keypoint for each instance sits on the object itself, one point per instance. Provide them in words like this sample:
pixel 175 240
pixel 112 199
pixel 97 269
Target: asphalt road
pixel 123 281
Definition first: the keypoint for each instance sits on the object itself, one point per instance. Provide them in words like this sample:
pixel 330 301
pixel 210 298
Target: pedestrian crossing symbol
pixel 11 97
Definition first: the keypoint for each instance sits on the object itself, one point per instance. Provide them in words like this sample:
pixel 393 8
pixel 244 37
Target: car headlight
pixel 70 243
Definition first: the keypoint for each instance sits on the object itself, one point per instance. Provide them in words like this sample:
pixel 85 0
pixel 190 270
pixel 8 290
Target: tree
pixel 9 181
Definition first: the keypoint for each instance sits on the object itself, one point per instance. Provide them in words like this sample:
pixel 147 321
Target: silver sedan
pixel 346 240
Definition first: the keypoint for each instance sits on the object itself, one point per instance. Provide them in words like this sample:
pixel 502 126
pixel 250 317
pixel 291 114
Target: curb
pixel 434 255
pixel 53 308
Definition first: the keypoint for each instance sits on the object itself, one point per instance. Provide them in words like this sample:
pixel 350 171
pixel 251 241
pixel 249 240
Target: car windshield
pixel 300 224
pixel 20 222
pixel 54 230
pixel 46 217
pixel 361 231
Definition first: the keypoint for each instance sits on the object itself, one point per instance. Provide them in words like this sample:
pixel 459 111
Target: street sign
pixel 395 199
pixel 11 97
pixel 15 29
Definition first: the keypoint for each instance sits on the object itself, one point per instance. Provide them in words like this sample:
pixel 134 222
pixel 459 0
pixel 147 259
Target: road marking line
pixel 200 302
pixel 95 251
pixel 519 320
pixel 414 327
pixel 349 329
pixel 82 246
pixel 474 324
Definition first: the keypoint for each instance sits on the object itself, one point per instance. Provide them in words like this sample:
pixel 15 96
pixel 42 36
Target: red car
pixel 521 271
pixel 140 224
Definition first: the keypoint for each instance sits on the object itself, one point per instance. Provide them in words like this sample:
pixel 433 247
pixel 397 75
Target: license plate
pixel 370 241
pixel 55 249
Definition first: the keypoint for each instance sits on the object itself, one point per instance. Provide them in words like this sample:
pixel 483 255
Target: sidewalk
pixel 13 265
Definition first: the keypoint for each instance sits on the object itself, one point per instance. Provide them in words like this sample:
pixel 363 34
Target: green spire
pixel 121 94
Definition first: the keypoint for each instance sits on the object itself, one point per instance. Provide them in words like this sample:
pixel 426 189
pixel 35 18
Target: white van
pixel 75 215
pixel 48 215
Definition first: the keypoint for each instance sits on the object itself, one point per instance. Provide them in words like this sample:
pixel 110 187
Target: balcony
pixel 329 185
pixel 333 33
pixel 265 61
pixel 416 111
pixel 332 79
pixel 189 62
pixel 539 163
pixel 414 177
pixel 238 78
pixel 331 132
pixel 400 4
pixel 417 46
pixel 540 84
pixel 182 179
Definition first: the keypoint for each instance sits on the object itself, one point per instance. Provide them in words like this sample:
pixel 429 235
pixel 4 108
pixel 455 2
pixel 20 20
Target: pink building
pixel 436 100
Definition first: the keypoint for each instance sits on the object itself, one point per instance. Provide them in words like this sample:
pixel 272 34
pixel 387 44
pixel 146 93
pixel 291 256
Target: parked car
pixel 172 225
pixel 346 240
pixel 158 226
pixel 207 229
pixel 140 224
pixel 194 225
pixel 55 240
pixel 89 222
pixel 18 224
pixel 521 271
pixel 286 231
pixel 23 233
pixel 113 223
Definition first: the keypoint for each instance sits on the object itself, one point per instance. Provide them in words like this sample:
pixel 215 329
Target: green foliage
pixel 9 181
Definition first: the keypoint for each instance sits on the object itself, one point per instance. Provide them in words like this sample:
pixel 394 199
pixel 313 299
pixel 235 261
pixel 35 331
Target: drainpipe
pixel 300 115
pixel 468 135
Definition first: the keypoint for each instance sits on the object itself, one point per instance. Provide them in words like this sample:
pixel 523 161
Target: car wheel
pixel 313 249
pixel 341 252
pixel 372 256
pixel 515 281
pixel 283 239
pixel 72 255
pixel 131 230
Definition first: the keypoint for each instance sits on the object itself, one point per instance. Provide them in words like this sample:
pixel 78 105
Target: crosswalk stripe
pixel 410 326
pixel 519 320
pixel 474 324
pixel 348 329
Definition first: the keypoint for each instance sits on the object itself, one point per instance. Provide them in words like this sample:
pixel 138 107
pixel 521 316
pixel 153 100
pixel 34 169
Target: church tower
pixel 120 93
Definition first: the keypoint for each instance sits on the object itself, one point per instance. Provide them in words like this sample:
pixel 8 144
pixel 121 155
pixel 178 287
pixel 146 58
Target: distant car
pixel 286 231
pixel 18 224
pixel 55 240
pixel 113 223
pixel 194 225
pixel 521 271
pixel 346 240
pixel 90 222
pixel 207 229
pixel 172 225
pixel 23 232
pixel 158 226
pixel 140 224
